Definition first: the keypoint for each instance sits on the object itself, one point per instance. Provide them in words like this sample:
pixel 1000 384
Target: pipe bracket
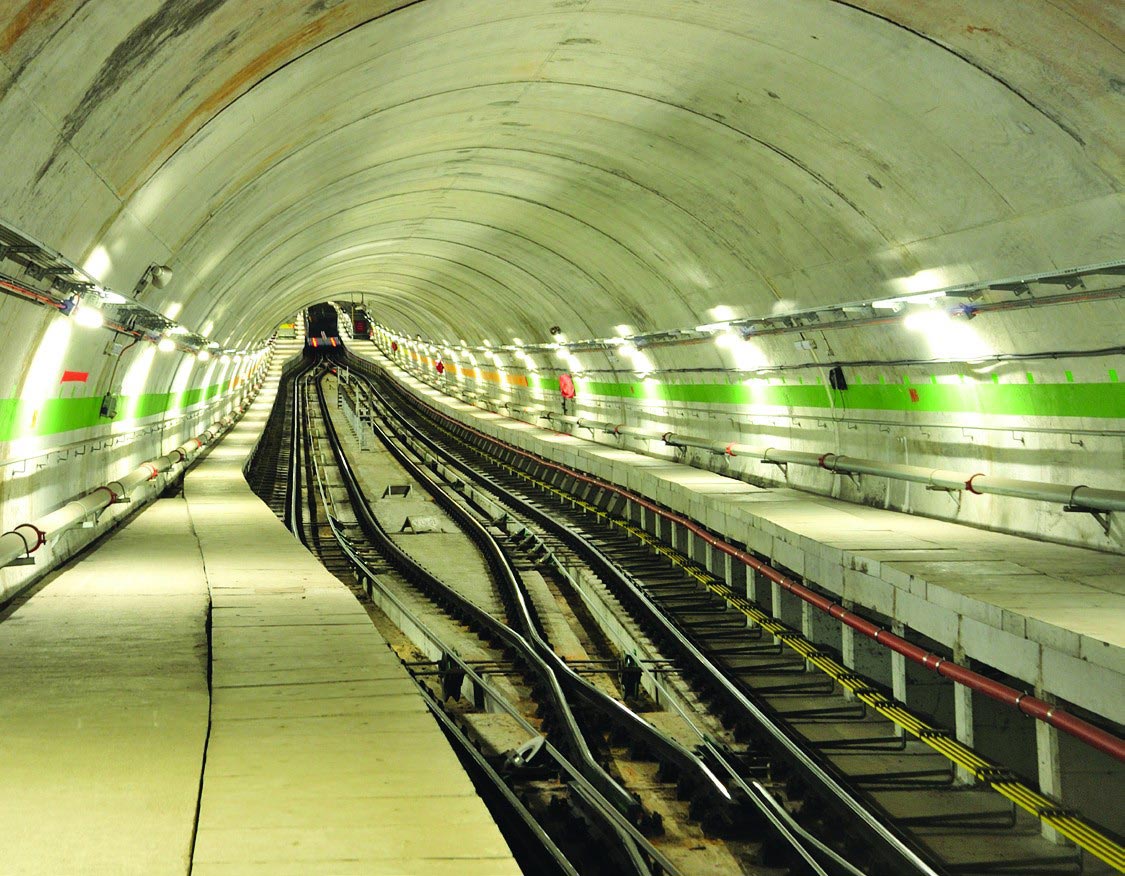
pixel 953 494
pixel 784 466
pixel 1101 516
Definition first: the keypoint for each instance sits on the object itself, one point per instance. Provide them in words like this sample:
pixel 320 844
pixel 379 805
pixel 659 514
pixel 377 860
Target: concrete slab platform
pixel 312 751
pixel 103 707
pixel 322 755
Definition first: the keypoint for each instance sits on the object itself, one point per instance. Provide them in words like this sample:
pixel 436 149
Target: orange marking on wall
pixel 22 20
pixel 243 81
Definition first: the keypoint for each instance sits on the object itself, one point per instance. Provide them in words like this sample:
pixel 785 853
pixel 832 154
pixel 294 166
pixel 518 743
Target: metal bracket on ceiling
pixel 1101 516
pixel 784 466
pixel 7 249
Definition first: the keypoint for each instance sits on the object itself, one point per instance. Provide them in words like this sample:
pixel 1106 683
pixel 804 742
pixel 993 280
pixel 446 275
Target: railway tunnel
pixel 819 301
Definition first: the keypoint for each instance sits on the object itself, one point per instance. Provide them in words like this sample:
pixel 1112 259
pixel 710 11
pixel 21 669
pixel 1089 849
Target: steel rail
pixel 634 724
pixel 293 475
pixel 533 830
pixel 373 530
pixel 889 839
pixel 491 693
pixel 756 794
pixel 623 823
pixel 533 835
pixel 791 833
pixel 1067 824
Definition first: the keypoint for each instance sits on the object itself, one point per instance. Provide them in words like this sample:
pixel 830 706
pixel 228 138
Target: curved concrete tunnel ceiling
pixel 489 169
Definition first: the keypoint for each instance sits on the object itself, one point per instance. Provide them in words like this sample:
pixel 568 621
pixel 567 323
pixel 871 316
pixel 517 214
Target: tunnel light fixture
pixel 203 355
pixel 224 359
pixel 918 305
pixel 727 340
pixel 88 316
pixel 927 320
pixel 158 275
pixel 166 345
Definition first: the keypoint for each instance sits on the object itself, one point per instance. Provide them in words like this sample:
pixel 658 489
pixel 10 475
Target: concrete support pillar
pixel 718 563
pixel 699 549
pixel 962 718
pixel 898 670
pixel 775 603
pixel 847 646
pixel 735 574
pixel 1050 771
pixel 807 629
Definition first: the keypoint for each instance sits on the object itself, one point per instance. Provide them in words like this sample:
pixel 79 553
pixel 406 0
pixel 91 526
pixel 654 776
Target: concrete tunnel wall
pixel 487 170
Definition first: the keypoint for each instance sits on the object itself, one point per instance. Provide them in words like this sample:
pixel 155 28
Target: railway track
pixel 849 773
pixel 556 771
pixel 582 746
pixel 794 777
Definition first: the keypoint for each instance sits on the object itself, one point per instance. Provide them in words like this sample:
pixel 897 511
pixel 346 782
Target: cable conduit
pixel 14 545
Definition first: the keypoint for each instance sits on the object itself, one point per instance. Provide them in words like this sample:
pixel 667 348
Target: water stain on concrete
pixel 174 19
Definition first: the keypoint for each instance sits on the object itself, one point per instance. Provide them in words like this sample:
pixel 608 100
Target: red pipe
pixel 1041 710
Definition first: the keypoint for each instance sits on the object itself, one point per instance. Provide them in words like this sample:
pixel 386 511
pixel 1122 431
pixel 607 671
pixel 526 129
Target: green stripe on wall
pixel 1095 400
pixel 57 415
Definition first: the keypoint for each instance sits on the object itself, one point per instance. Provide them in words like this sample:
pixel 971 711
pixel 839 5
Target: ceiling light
pixel 89 317
pixel 721 311
pixel 161 275
pixel 166 345
pixel 726 340
pixel 203 355
pixel 158 275
pixel 925 320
